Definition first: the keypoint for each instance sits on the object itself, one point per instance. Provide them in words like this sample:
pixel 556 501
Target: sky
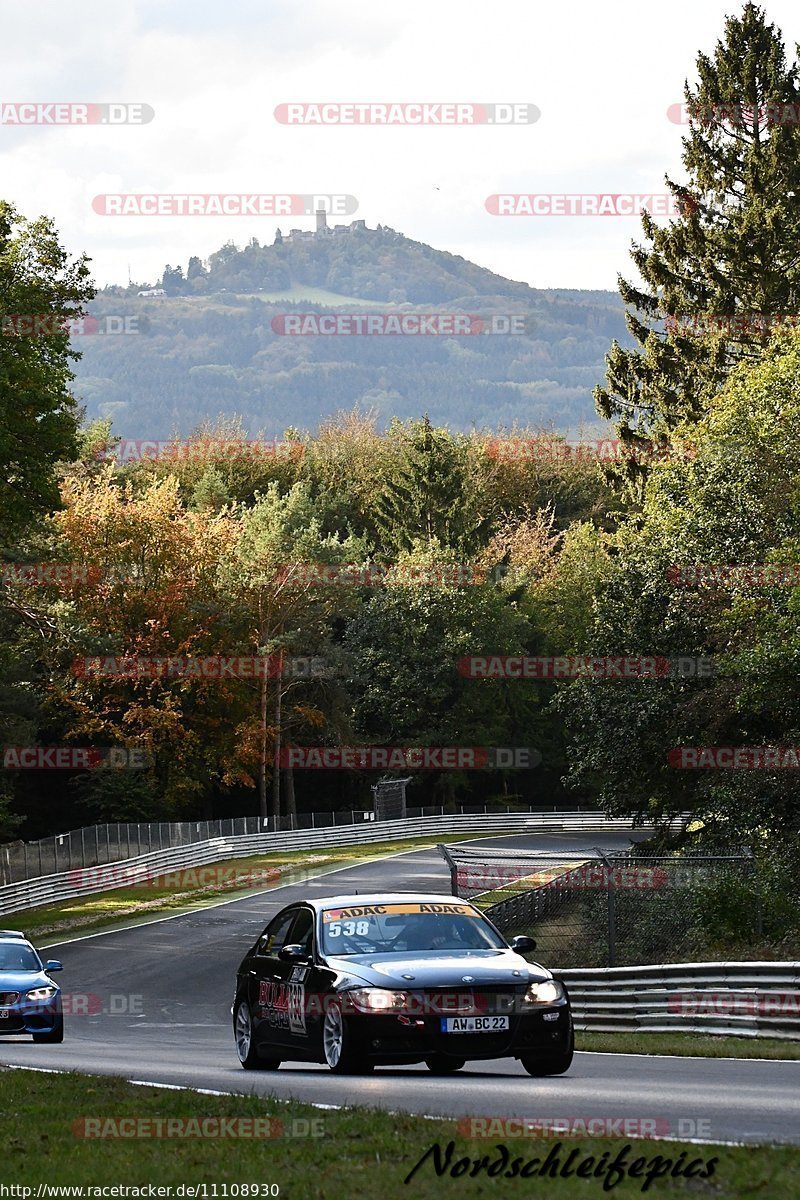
pixel 601 75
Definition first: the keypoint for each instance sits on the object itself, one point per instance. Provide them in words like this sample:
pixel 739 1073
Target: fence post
pixel 612 925
pixel 453 868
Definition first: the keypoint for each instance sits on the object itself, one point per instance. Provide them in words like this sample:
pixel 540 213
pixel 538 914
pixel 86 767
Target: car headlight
pixel 546 992
pixel 41 993
pixel 376 1000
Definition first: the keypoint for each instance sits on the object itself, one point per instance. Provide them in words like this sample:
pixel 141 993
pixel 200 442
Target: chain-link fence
pixel 608 909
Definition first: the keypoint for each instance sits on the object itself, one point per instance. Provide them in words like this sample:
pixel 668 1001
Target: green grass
pixel 360 1153
pixel 296 293
pixel 689 1045
pixel 125 905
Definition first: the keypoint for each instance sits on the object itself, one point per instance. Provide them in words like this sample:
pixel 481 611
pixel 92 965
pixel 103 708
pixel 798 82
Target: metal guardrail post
pixel 453 868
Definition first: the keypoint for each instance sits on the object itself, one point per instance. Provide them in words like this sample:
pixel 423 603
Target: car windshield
pixel 18 958
pixel 406 927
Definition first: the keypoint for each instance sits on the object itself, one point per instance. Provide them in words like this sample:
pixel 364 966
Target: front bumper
pixel 26 1016
pixel 400 1038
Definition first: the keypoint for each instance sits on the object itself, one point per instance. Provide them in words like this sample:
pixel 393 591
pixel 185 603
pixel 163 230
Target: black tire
pixel 437 1064
pixel 341 1054
pixel 549 1063
pixel 245 1046
pixel 55 1035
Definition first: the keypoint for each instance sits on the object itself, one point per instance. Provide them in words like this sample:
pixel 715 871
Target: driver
pixel 430 933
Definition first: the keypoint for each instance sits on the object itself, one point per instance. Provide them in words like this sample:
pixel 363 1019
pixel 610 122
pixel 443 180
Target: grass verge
pixel 355 1152
pixel 688 1045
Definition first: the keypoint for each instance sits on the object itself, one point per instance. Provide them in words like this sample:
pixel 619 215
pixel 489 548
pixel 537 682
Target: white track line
pixel 178 1087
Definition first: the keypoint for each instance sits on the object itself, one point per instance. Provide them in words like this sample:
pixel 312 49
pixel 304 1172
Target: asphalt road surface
pixel 152 1003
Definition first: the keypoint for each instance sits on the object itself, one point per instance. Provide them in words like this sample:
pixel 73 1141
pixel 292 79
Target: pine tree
pixel 430 497
pixel 734 250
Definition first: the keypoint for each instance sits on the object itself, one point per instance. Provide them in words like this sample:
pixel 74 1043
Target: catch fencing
pixel 746 999
pixel 82 881
pixel 606 909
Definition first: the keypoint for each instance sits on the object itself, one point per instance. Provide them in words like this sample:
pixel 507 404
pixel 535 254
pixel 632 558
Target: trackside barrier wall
pixel 748 999
pixel 67 885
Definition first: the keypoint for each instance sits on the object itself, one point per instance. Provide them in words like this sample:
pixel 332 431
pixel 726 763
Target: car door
pixel 263 979
pixel 294 979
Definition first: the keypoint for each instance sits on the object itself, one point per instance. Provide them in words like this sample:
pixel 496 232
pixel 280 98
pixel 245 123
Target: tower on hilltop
pixel 322 221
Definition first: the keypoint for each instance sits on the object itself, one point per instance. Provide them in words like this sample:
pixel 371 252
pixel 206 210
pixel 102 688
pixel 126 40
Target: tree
pixel 734 250
pixel 405 684
pixel 195 269
pixel 38 414
pixel 735 503
pixel 430 496
pixel 277 607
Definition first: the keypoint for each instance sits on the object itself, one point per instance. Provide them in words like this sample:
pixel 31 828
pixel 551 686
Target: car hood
pixel 24 981
pixel 438 970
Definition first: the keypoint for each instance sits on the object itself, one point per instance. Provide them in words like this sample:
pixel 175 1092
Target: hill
pixel 213 344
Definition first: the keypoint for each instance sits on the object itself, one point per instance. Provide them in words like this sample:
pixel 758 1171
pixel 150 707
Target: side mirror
pixel 52 964
pixel 522 944
pixel 294 952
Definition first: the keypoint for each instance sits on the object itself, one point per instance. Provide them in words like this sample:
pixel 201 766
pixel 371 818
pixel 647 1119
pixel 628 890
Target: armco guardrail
pixel 93 844
pixel 748 999
pixel 49 889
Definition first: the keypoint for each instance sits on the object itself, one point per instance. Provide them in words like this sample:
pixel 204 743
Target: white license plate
pixel 3 1014
pixel 474 1024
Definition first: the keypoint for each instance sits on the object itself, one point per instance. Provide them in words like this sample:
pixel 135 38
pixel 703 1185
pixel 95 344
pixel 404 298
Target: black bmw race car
pixel 359 981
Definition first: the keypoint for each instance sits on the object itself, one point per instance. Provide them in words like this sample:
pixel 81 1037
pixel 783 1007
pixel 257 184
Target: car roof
pixel 354 899
pixel 12 933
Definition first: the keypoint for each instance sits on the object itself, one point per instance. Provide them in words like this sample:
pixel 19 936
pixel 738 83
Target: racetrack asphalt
pixel 163 991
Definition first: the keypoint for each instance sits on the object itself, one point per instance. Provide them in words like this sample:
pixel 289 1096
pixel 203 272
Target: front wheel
pixel 549 1063
pixel 337 1045
pixel 437 1064
pixel 56 1034
pixel 245 1043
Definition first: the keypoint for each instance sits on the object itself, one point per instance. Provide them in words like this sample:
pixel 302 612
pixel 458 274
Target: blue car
pixel 29 1000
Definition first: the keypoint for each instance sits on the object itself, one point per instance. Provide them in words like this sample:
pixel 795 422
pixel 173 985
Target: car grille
pixel 8 998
